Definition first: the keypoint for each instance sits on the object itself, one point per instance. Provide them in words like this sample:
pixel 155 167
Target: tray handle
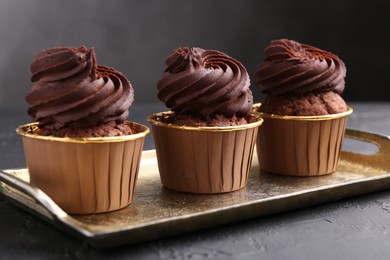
pixel 34 193
pixel 380 159
pixel 57 216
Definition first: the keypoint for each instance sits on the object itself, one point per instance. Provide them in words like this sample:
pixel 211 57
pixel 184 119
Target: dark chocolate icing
pixel 70 90
pixel 205 83
pixel 291 67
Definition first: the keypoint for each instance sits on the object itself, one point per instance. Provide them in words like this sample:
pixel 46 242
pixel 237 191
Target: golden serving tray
pixel 157 212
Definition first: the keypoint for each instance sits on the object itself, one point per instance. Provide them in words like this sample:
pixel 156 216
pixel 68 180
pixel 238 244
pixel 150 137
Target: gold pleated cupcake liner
pixel 301 145
pixel 204 160
pixel 84 175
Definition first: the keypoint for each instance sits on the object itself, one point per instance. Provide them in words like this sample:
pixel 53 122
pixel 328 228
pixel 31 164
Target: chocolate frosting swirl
pixel 70 90
pixel 291 67
pixel 205 83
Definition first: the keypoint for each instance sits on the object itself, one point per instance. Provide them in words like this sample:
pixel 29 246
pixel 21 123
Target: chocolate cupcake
pixel 82 152
pixel 205 143
pixel 304 115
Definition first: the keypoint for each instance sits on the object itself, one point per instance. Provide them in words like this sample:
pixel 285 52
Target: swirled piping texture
pixel 70 90
pixel 205 83
pixel 291 67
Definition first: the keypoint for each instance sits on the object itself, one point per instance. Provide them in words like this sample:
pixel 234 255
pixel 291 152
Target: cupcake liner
pixel 84 175
pixel 301 145
pixel 204 160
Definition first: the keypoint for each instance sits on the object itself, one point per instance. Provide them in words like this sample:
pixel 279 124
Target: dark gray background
pixel 135 36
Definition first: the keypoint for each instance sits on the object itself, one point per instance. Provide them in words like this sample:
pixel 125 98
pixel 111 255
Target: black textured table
pixel 354 228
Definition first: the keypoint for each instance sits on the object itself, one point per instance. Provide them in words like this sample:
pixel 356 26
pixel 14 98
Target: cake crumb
pixel 105 130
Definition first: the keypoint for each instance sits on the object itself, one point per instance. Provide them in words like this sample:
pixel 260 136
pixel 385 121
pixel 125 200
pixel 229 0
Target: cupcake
pixel 304 114
pixel 81 150
pixel 205 143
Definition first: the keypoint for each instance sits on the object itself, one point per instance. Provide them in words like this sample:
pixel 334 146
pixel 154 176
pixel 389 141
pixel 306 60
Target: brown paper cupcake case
pixel 204 160
pixel 301 145
pixel 84 175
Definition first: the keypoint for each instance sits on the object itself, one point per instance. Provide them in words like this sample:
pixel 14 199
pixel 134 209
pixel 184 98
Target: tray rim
pixel 99 238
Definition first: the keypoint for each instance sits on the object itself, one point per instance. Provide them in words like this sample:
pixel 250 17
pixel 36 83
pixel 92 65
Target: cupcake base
pixel 84 175
pixel 204 160
pixel 301 145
